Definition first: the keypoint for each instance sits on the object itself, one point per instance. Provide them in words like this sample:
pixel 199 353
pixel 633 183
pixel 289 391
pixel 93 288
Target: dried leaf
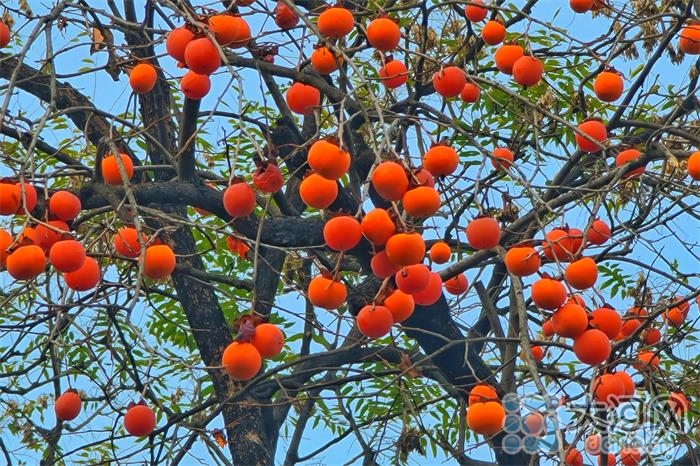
pixel 61 23
pixel 98 40
pixel 409 441
pixel 220 437
pixel 406 366
pixel 245 326
pixel 25 8
pixel 8 19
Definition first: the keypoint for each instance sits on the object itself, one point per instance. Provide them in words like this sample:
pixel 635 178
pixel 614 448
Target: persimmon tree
pixel 372 232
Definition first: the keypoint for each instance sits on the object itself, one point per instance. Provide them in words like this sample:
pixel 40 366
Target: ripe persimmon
pixel 342 233
pixel 64 205
pixel 570 320
pixel 535 421
pixel 627 384
pixel 405 248
pixel 440 252
pixel 595 130
pixel 110 169
pixel 651 336
pixel 482 393
pixel 239 199
pixel 139 420
pixel 629 155
pixel 4 35
pixel 599 232
pixel 547 328
pixel 324 61
pixel 400 304
pixel 326 293
pixel 25 262
pixel 629 326
pixel 158 261
pixel 630 456
pixel 68 405
pixel 562 243
pixel 607 320
pixel 177 41
pixel 230 30
pixel 573 457
pixel 689 39
pixel 374 321
pixel 608 85
pixel 85 278
pixel 46 234
pixel 423 177
pixel 10 199
pixel 241 361
pixel 441 160
pixel 493 32
pixel 637 311
pixel 383 34
pixel 393 74
pixel 202 56
pixel 27 197
pixel 537 353
pixel 674 316
pixel 574 242
pixel 430 294
pixel 548 294
pixel 502 158
pixel 335 22
pixel 682 304
pixel 142 78
pixel 67 255
pixel 421 202
pixel 470 93
pixel 581 6
pixel 318 192
pixel 268 339
pixel 678 402
pixel 328 159
pixel 607 389
pixel 126 242
pixel 486 418
pixel 237 246
pixel 647 361
pixel 522 260
pixel 527 70
pixel 390 181
pixel 377 226
pixel 592 347
pixel 581 274
pixel 268 178
pixel 475 11
pixel 457 284
pixel 449 81
pixel 506 56
pixel 285 17
pixel 381 266
pixel 195 86
pixel 412 278
pixel 483 233
pixel 694 165
pixel 5 242
pixel 302 98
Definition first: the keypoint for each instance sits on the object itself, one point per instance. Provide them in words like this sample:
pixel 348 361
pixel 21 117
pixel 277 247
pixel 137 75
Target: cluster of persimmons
pixel 399 249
